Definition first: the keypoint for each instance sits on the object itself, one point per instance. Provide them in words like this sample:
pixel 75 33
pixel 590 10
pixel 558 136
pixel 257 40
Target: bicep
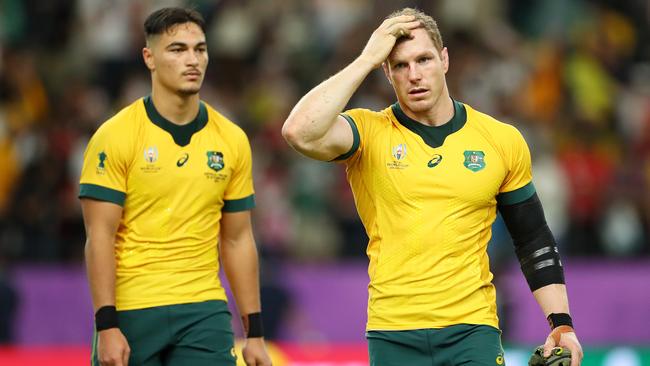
pixel 235 226
pixel 337 141
pixel 101 218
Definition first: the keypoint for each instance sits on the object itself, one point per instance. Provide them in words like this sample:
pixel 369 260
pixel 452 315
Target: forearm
pixel 240 263
pixel 552 299
pixel 316 113
pixel 100 267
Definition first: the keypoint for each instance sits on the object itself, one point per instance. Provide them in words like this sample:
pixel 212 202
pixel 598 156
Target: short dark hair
pixel 163 19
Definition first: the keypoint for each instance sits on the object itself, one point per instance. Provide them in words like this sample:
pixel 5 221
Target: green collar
pixel 181 134
pixel 433 136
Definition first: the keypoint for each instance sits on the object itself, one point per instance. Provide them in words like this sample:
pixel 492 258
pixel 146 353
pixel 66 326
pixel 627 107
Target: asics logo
pixel 182 160
pixel 434 161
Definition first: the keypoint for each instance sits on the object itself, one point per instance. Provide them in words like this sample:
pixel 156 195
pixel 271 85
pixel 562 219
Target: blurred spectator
pixel 573 75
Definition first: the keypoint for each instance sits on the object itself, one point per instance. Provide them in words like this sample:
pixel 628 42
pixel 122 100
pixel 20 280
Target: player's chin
pixel 190 90
pixel 419 105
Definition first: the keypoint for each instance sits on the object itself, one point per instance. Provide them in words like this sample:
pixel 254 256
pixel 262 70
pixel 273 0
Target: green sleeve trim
pixel 242 204
pixel 356 139
pixel 516 196
pixel 101 193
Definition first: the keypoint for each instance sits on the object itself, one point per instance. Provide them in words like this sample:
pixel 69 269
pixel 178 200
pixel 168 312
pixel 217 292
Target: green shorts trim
pixel 462 344
pixel 194 334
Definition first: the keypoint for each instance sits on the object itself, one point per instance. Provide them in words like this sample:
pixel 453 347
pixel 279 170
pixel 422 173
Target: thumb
pixel 548 346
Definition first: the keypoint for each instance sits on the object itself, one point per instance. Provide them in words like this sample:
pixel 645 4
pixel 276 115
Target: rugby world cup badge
pixel 102 160
pixel 215 160
pixel 474 160
pixel 399 151
pixel 151 154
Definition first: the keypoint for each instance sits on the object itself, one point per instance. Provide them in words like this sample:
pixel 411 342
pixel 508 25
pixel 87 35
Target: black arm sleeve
pixel 534 242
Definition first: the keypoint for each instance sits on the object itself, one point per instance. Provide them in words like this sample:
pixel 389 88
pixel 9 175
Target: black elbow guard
pixel 534 243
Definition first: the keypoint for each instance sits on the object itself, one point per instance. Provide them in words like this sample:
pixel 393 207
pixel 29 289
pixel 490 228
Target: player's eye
pixel 423 60
pixel 400 65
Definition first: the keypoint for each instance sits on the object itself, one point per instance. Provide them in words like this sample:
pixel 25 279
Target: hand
pixel 564 336
pixel 383 39
pixel 254 352
pixel 112 348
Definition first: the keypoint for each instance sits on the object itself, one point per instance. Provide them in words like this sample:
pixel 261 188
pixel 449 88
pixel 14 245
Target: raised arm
pixel 101 220
pixel 240 263
pixel 314 127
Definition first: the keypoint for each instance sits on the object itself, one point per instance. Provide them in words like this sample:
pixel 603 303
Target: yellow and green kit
pixel 173 182
pixel 427 197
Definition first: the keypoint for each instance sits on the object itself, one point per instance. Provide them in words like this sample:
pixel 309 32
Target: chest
pixel 467 168
pixel 162 170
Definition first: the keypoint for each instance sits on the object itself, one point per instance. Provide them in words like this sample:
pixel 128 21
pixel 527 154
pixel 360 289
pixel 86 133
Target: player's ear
pixel 147 56
pixel 444 57
pixel 384 66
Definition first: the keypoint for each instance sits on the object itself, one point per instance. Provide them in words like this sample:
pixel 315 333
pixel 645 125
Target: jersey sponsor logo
pixel 434 161
pixel 474 160
pixel 215 160
pixel 182 160
pixel 399 151
pixel 151 154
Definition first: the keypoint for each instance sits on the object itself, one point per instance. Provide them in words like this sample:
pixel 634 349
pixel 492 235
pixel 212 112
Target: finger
pixel 403 29
pixel 125 357
pixel 404 25
pixel 548 346
pixel 400 19
pixel 574 360
pixel 576 357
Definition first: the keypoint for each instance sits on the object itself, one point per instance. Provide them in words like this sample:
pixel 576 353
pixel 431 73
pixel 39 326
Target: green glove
pixel 560 356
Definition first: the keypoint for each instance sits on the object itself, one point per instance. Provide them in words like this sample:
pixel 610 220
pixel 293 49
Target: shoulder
pixel 223 123
pixel 500 130
pixel 363 115
pixel 123 122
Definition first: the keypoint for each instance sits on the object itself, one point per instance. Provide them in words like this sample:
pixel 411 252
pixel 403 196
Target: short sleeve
pixel 240 195
pixel 357 119
pixel 105 167
pixel 517 186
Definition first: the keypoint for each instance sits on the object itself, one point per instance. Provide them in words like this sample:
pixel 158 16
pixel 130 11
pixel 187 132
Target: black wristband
pixel 106 318
pixel 253 325
pixel 557 319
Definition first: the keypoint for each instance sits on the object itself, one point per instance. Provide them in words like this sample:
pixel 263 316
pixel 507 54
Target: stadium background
pixel 573 76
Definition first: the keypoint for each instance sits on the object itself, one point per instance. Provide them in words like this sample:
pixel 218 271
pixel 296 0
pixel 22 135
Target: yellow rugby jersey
pixel 427 197
pixel 173 183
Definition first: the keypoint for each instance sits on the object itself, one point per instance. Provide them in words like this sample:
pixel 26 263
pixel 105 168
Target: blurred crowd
pixel 572 75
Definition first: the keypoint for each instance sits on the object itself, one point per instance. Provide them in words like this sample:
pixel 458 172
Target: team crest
pixel 399 151
pixel 151 154
pixel 215 160
pixel 474 160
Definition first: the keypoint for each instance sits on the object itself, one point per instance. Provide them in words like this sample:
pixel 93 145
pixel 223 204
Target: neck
pixel 440 113
pixel 176 108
